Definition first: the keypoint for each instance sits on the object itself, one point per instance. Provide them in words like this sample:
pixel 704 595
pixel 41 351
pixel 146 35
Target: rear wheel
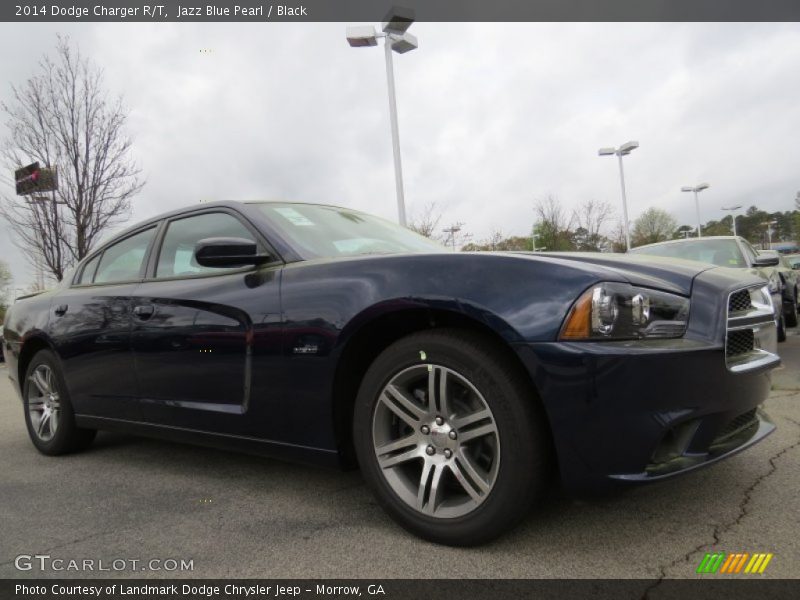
pixel 781 328
pixel 48 410
pixel 449 437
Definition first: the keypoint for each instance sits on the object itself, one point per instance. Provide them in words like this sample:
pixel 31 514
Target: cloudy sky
pixel 492 116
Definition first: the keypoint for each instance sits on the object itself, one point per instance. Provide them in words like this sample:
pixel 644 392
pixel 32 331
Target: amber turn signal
pixel 578 323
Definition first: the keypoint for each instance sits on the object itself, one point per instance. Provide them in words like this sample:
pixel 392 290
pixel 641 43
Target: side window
pixel 88 270
pixel 123 260
pixel 176 258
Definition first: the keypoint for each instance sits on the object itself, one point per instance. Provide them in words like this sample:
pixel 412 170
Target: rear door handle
pixel 144 311
pixel 61 310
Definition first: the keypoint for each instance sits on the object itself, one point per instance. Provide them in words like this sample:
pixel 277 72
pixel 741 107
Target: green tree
pixel 654 225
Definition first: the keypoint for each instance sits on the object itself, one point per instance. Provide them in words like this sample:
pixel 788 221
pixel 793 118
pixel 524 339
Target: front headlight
pixel 620 311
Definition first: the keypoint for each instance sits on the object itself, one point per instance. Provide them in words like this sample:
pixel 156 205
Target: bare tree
pixel 617 238
pixel 654 225
pixel 591 216
pixel 64 119
pixel 426 222
pixel 5 284
pixel 494 240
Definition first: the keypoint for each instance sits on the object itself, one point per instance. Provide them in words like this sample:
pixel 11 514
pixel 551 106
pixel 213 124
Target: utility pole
pixel 452 230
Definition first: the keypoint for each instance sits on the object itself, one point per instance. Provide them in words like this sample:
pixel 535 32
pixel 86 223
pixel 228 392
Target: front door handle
pixel 61 310
pixel 144 311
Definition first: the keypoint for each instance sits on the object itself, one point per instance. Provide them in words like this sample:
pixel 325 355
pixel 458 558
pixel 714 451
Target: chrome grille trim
pixel 750 336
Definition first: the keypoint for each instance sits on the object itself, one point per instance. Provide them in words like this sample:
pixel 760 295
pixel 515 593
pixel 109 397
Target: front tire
pixel 450 437
pixel 782 328
pixel 48 411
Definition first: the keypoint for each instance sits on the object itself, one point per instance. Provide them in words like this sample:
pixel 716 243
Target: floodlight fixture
pixel 361 36
pixel 733 214
pixel 398 20
pixel 404 43
pixel 628 147
pixel 695 189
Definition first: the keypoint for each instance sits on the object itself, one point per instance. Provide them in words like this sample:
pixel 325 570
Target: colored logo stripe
pixel 758 563
pixel 734 563
pixel 711 562
pixel 721 562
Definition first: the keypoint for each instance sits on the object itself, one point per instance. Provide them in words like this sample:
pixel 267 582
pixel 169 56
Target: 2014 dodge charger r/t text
pixel 460 383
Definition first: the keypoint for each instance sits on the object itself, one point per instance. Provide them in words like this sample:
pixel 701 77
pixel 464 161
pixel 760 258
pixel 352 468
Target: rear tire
pixel 463 464
pixel 782 328
pixel 791 318
pixel 48 411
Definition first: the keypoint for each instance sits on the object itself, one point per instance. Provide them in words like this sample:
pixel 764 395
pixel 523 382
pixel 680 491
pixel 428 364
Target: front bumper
pixel 646 410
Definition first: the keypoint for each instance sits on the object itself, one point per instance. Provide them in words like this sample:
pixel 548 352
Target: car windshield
pixel 329 232
pixel 724 253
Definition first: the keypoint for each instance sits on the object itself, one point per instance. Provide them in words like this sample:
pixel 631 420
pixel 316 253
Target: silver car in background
pixel 728 251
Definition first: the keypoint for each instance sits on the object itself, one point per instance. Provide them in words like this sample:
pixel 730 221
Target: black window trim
pixel 157 225
pixel 150 274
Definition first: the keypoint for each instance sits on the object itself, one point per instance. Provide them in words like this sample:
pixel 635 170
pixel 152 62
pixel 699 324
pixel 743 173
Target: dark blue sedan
pixel 460 383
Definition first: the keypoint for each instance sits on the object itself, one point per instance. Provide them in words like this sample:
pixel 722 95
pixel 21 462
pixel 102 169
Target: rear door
pixel 196 329
pixel 91 327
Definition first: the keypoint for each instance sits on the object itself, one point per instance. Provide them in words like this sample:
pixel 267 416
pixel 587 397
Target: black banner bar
pixel 426 10
pixel 702 588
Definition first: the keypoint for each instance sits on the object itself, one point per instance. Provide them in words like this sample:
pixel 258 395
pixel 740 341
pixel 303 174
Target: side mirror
pixel 766 260
pixel 228 252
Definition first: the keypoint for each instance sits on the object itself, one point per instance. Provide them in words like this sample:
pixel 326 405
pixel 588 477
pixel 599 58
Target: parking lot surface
pixel 240 516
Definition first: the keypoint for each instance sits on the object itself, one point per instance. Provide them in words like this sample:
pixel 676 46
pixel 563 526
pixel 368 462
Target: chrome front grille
pixel 751 335
pixel 740 342
pixel 739 301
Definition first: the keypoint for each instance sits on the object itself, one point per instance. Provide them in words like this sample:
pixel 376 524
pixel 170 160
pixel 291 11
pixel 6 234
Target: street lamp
pixel 623 150
pixel 395 38
pixel 769 225
pixel 733 215
pixel 696 188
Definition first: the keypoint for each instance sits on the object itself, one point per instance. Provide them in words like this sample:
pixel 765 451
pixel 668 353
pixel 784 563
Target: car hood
pixel 669 274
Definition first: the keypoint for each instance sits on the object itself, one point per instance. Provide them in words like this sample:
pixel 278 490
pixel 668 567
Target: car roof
pixel 690 240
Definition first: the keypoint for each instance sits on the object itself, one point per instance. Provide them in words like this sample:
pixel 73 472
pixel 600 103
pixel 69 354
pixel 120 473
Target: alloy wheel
pixel 436 441
pixel 44 404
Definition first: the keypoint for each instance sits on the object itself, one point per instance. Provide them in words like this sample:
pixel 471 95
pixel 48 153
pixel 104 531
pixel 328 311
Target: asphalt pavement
pixel 238 516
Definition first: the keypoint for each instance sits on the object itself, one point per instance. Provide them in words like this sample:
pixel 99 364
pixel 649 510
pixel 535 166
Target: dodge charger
pixel 461 384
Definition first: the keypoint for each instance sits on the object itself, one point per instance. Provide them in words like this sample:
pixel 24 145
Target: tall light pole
pixel 623 150
pixel 395 38
pixel 733 215
pixel 769 225
pixel 696 188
